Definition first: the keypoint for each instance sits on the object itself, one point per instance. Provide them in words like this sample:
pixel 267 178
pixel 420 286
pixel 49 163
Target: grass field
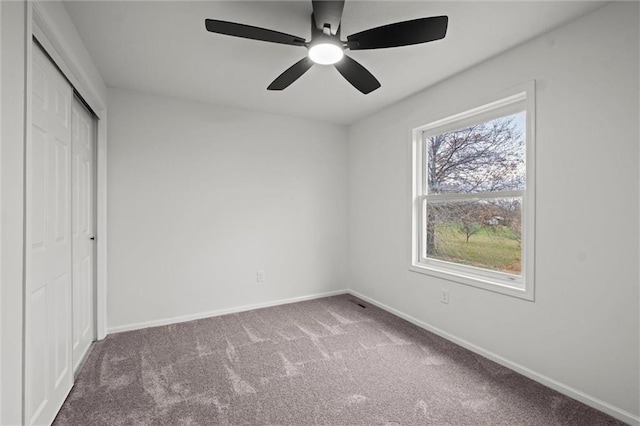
pixel 489 248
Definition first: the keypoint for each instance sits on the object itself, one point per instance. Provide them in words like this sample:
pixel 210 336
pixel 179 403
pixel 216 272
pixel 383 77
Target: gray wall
pixel 202 197
pixel 582 330
pixel 12 58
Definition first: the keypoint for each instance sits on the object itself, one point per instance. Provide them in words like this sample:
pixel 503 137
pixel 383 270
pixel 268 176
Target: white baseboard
pixel 190 317
pixel 547 381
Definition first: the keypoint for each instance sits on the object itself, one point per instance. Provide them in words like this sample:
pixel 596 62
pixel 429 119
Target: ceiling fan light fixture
pixel 326 53
pixel 327 48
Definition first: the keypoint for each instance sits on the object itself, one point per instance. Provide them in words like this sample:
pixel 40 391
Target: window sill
pixel 473 280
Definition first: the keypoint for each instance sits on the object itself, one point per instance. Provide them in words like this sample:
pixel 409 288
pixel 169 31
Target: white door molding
pixel 1 365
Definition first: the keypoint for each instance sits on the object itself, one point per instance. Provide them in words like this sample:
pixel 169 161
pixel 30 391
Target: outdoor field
pixel 495 248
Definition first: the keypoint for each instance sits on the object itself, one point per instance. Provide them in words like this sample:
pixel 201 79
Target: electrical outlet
pixel 261 276
pixel 444 298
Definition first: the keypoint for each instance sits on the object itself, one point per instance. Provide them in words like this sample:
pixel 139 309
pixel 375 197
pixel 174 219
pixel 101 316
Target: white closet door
pixel 48 368
pixel 82 228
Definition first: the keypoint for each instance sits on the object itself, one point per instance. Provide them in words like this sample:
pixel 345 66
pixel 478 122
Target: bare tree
pixel 512 214
pixel 473 216
pixel 483 157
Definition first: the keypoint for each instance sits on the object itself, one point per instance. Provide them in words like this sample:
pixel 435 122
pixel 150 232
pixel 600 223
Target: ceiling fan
pixel 326 47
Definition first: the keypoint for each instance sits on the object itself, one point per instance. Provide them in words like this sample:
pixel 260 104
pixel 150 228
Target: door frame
pixel 56 32
pixel 43 24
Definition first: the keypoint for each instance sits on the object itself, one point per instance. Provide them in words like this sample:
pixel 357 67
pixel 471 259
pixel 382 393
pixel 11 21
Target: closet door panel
pixel 48 363
pixel 82 225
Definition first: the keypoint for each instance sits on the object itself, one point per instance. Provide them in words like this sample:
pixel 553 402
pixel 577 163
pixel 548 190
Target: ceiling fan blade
pixel 293 73
pixel 327 12
pixel 254 33
pixel 400 34
pixel 357 75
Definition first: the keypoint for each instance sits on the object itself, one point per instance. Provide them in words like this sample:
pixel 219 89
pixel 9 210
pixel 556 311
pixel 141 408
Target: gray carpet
pixel 336 360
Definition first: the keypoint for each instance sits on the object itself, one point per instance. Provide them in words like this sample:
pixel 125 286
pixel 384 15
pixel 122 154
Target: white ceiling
pixel 162 47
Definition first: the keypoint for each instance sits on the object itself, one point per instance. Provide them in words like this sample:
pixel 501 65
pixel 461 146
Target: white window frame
pixel 518 99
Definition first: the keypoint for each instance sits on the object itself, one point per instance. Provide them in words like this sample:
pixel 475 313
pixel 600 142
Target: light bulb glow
pixel 325 53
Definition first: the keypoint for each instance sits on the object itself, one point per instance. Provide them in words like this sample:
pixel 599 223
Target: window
pixel 473 196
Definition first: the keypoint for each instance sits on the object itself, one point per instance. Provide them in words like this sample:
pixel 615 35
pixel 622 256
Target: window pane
pixel 485 233
pixel 489 156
